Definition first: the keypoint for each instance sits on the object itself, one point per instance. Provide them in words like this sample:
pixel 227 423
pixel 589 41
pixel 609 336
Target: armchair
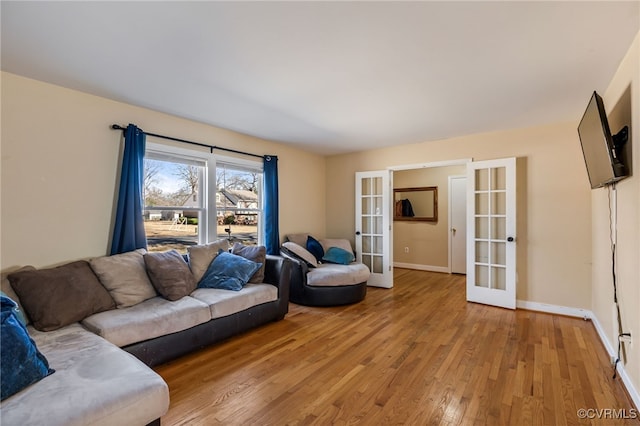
pixel 316 280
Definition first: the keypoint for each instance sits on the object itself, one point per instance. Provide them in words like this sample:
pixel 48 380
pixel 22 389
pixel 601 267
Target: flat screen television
pixel 600 151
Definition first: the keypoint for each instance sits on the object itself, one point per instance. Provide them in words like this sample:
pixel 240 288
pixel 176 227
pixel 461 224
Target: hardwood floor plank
pixel 414 354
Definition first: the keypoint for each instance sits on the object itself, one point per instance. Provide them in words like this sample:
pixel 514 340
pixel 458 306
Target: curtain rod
pixel 211 147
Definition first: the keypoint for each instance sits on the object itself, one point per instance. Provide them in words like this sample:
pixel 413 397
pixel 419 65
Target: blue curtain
pixel 271 217
pixel 128 230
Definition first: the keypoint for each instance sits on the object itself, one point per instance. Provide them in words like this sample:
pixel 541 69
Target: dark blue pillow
pixel 22 364
pixel 315 248
pixel 338 255
pixel 229 272
pixel 17 309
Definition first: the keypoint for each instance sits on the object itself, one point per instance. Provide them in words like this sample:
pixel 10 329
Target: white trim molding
pixel 587 315
pixel 419 267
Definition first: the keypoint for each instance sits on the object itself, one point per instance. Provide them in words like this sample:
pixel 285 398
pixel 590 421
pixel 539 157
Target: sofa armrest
pixel 278 273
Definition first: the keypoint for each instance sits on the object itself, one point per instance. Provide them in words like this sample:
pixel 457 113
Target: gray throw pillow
pixel 256 254
pixel 170 274
pixel 60 296
pixel 125 277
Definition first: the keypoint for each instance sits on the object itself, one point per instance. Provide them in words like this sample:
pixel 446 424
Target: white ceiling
pixel 330 77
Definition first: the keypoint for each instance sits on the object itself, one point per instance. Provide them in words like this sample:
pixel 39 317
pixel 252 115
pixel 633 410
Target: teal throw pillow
pixel 22 364
pixel 228 272
pixel 338 255
pixel 315 248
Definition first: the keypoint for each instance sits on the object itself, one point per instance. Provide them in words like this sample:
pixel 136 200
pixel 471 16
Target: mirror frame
pixel 433 218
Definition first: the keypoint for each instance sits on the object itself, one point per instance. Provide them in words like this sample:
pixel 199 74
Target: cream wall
pixel 622 101
pixel 428 242
pixel 553 202
pixel 60 164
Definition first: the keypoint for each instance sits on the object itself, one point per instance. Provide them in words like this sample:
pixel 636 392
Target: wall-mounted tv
pixel 601 150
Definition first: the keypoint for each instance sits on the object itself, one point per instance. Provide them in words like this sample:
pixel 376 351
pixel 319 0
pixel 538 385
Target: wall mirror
pixel 419 204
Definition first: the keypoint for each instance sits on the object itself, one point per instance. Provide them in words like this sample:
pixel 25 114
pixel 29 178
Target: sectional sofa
pixel 101 324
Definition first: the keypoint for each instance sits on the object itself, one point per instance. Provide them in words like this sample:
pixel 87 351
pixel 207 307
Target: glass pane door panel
pixel 377 244
pixel 366 259
pixel 377 203
pixel 498 254
pixel 498 203
pixel 482 252
pixel 498 178
pixel 482 227
pixel 499 228
pixel 499 278
pixel 376 267
pixel 366 186
pixel 482 203
pixel 366 205
pixel 377 185
pixel 366 244
pixel 482 180
pixel 482 276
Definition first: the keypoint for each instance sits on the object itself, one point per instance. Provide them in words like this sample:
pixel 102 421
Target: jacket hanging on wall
pixel 404 208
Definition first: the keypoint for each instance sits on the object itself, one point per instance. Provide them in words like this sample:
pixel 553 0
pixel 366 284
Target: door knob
pixel 357 232
pixel 511 239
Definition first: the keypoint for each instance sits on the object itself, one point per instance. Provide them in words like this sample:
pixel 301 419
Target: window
pixel 186 203
pixel 239 200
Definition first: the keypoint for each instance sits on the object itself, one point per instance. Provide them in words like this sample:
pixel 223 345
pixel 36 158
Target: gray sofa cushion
pixel 151 318
pixel 227 302
pixel 328 274
pixel 95 383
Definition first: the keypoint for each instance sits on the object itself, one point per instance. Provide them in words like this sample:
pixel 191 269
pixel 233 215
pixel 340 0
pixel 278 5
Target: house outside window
pixel 193 197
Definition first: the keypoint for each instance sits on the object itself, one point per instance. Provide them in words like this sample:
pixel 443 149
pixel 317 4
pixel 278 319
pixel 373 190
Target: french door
pixel 491 227
pixel 373 226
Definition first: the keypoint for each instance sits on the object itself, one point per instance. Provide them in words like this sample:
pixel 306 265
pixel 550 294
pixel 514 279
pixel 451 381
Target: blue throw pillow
pixel 338 255
pixel 17 309
pixel 315 248
pixel 229 272
pixel 21 362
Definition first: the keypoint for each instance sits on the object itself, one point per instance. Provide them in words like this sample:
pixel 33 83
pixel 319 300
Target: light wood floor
pixel 416 354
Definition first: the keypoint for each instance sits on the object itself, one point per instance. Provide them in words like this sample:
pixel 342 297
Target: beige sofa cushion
pixel 227 302
pixel 201 256
pixel 329 274
pixel 152 318
pixel 125 277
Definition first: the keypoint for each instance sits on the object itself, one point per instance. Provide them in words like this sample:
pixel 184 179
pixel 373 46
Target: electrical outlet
pixel 406 249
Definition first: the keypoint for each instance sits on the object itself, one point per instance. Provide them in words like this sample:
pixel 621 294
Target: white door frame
pixel 445 163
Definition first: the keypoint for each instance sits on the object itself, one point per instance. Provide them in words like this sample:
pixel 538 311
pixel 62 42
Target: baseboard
pixel 586 314
pixel 554 309
pixel 613 352
pixel 419 267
